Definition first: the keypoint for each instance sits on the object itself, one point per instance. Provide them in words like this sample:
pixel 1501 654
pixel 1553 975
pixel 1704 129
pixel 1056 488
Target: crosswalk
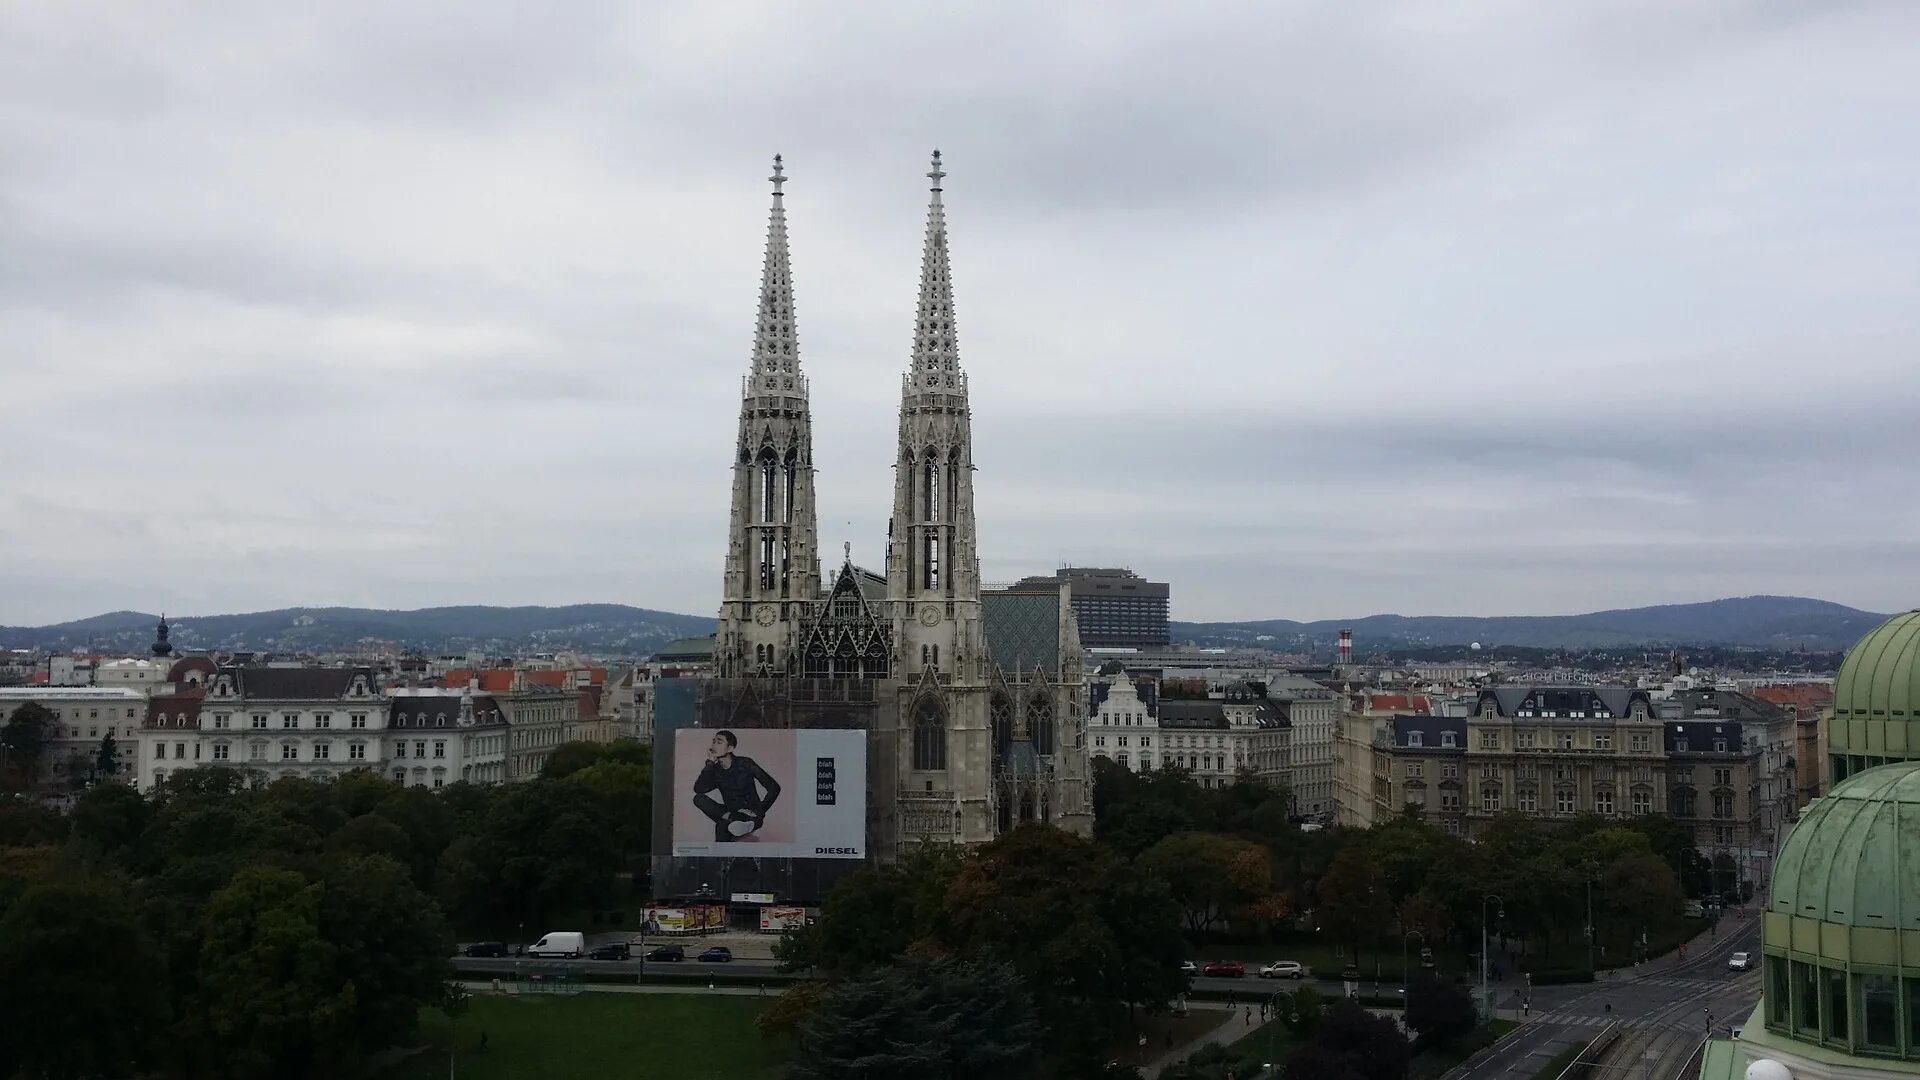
pixel 1642 1023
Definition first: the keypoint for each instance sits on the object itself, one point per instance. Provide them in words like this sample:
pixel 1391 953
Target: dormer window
pixel 1415 738
pixel 1446 739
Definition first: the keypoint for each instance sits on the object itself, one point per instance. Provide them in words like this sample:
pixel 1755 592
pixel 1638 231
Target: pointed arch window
pixel 929 736
pixel 1040 723
pixel 930 487
pixel 1000 711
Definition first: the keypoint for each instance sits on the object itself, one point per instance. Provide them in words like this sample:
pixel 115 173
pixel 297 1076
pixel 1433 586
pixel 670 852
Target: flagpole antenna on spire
pixel 779 176
pixel 937 174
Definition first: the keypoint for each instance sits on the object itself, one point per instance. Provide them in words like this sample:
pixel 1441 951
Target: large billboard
pixel 770 793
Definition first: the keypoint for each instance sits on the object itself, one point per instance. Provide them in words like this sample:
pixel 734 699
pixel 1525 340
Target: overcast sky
pixel 1314 310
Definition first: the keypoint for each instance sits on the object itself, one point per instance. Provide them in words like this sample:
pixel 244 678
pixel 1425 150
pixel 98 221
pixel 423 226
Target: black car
pixel 612 950
pixel 719 954
pixel 672 954
pixel 486 948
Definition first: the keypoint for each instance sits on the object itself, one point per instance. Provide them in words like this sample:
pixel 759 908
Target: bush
pixel 1561 976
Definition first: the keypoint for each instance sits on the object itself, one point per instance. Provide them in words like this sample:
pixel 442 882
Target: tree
pixel 1350 1043
pixel 922 1018
pixel 106 760
pixel 24 740
pixel 624 795
pixel 269 1001
pixel 392 945
pixel 81 986
pixel 111 817
pixel 876 914
pixel 1439 1010
pixel 1210 875
pixel 1353 903
pixel 1091 935
pixel 569 758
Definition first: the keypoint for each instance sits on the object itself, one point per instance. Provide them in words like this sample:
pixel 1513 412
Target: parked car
pixel 485 948
pixel 1225 969
pixel 612 950
pixel 1283 969
pixel 671 954
pixel 1188 967
pixel 1739 962
pixel 563 944
pixel 719 954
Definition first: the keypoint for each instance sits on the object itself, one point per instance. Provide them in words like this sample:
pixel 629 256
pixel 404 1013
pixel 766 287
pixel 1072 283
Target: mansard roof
pixel 1562 700
pixel 295 684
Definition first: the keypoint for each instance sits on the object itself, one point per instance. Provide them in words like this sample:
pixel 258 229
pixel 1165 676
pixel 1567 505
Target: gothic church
pixel 972 699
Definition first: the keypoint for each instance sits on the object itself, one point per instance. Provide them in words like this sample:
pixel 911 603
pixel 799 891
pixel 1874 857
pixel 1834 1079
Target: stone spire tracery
pixel 773 563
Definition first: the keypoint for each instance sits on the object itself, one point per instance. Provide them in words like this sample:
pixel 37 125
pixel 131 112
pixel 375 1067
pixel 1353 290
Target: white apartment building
pixel 311 722
pixel 82 717
pixel 1312 714
pixel 437 737
pixel 1123 728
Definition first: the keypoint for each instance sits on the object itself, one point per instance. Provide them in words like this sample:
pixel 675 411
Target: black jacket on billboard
pixel 739 798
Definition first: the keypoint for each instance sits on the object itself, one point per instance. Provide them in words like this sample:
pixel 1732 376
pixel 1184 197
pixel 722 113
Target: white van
pixel 566 944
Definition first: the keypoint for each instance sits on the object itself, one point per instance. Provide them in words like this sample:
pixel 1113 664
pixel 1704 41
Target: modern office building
pixel 1116 608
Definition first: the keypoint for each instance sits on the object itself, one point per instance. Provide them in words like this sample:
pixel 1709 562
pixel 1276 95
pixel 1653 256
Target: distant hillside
pixel 1756 621
pixel 603 629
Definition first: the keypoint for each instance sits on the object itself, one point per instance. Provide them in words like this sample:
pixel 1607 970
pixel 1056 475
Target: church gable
pixel 845 638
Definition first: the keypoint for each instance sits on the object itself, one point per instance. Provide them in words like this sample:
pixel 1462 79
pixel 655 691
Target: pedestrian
pixel 483 1041
pixel 1249 1022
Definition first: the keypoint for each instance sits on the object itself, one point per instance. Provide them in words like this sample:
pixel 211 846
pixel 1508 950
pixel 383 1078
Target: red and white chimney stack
pixel 1346 647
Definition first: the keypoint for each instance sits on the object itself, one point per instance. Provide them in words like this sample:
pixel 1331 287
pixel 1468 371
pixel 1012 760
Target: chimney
pixel 1346 648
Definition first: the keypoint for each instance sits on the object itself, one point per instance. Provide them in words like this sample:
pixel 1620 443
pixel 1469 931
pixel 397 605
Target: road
pixel 1663 1011
pixel 689 969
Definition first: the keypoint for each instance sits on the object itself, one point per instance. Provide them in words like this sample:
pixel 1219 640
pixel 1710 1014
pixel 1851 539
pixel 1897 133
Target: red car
pixel 1227 969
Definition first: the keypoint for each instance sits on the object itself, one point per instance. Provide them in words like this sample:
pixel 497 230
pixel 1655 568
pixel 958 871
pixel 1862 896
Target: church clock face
pixel 929 615
pixel 764 615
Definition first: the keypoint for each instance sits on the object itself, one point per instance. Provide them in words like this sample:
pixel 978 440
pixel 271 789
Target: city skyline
pixel 1543 314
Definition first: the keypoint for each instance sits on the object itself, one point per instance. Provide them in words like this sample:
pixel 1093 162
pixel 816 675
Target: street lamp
pixel 1484 901
pixel 1403 958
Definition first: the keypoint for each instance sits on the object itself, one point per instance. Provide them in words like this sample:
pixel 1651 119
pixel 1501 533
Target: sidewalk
pixel 507 988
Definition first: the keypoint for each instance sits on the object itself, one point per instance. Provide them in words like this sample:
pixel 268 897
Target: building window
pixel 357 751
pixel 1566 740
pixel 1563 801
pixel 323 720
pixel 1723 777
pixel 1449 799
pixel 1446 740
pixel 1806 999
pixel 400 749
pixel 1603 803
pixel 1836 1005
pixel 1641 743
pixel 1603 740
pixel 1415 738
pixel 322 751
pixel 440 748
pixel 1643 802
pixel 1528 800
pixel 259 720
pixel 399 776
pixel 357 720
pixel 1523 740
pixel 929 736
pixel 220 721
pixel 1414 768
pixel 257 751
pixel 1489 740
pixel 220 751
pixel 1449 771
pixel 420 749
pixel 290 720
pixel 1779 993
pixel 1490 800
pixel 1722 804
pixel 289 751
pixel 1719 746
pixel 1679 745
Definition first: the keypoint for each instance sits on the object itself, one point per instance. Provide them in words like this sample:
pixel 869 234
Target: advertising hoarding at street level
pixel 780 917
pixel 685 919
pixel 770 793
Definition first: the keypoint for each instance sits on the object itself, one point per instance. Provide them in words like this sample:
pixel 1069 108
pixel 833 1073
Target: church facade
pixel 972 699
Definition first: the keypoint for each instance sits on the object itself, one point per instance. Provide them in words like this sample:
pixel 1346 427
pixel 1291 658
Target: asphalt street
pixel 1664 1010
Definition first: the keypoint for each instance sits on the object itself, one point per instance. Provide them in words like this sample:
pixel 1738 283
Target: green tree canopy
pixel 922 1019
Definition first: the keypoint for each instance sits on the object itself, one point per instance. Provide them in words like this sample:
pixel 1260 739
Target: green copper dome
pixel 1876 700
pixel 1854 858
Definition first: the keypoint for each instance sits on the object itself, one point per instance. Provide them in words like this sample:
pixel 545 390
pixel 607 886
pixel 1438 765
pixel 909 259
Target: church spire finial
pixel 776 350
pixel 936 350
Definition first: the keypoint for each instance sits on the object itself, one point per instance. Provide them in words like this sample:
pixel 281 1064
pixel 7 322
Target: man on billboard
pixel 746 791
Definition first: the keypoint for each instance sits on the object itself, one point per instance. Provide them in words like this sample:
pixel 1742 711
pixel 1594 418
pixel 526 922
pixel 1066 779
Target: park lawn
pixel 1572 955
pixel 1157 1027
pixel 599 1035
pixel 1441 1060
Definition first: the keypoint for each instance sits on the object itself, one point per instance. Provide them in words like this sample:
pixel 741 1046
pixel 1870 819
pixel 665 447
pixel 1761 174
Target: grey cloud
pixel 1313 310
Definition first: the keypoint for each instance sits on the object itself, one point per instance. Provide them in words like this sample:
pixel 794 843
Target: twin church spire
pixel 773 569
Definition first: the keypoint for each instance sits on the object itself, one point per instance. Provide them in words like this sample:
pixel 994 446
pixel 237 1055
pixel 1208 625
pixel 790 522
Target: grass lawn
pixel 1157 1028
pixel 599 1035
pixel 1442 1059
